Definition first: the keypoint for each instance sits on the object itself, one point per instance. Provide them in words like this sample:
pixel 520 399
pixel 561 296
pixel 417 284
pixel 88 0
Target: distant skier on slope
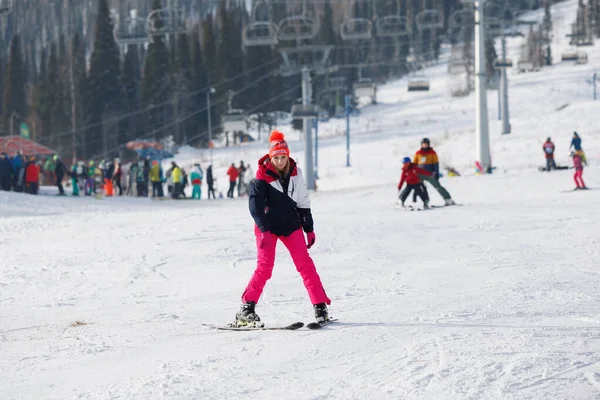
pixel 578 165
pixel 411 174
pixel 280 206
pixel 548 148
pixel 427 159
pixel 576 145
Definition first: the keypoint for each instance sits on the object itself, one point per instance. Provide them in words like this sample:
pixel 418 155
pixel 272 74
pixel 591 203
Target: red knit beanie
pixel 278 145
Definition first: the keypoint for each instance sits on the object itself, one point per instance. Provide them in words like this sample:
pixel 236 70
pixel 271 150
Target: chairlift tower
pixel 482 134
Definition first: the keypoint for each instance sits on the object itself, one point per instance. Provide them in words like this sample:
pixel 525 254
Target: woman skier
pixel 280 206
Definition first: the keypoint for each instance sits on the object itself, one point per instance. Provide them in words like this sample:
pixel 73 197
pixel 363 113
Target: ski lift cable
pixel 184 118
pixel 149 108
pixel 194 113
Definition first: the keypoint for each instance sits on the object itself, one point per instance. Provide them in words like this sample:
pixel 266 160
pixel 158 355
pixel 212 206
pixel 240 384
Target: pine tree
pixel 209 49
pixel 229 55
pixel 130 83
pixel 14 102
pixel 547 31
pixel 198 123
pixel 42 101
pixel 182 105
pixel 209 52
pixel 156 84
pixel 79 76
pixel 102 86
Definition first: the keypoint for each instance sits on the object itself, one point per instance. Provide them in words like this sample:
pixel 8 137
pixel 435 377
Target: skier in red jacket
pixel 410 175
pixel 32 177
pixel 233 174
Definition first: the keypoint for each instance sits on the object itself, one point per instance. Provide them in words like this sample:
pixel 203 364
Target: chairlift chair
pixel 429 19
pixel 262 33
pixel 418 84
pixel 525 66
pixel 506 63
pixel 234 121
pixel 569 55
pixel 298 27
pixel 131 30
pixel 356 29
pixel 166 21
pixel 392 26
pixel 305 111
pixel 6 6
pixel 365 87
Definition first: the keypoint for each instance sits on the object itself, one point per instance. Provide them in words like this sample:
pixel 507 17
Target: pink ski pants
pixel 578 178
pixel 296 245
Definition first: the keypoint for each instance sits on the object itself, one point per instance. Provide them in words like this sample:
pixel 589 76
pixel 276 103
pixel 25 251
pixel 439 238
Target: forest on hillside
pixel 87 76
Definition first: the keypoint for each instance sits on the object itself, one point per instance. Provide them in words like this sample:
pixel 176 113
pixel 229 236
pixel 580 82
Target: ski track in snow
pixel 497 299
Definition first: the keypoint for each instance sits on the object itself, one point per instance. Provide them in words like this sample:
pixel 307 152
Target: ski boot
pixel 425 205
pixel 321 313
pixel 247 316
pixel 450 202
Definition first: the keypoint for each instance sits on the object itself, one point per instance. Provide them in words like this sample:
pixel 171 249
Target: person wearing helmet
pixel 426 158
pixel 411 174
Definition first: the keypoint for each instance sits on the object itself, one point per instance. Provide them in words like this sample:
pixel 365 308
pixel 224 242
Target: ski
pixel 576 190
pixel 317 325
pixel 231 327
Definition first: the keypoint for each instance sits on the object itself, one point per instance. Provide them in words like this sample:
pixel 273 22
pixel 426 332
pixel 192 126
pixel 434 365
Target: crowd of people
pixel 142 178
pixel 145 177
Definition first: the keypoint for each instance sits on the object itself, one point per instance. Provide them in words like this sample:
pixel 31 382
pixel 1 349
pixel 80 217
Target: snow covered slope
pixel 495 299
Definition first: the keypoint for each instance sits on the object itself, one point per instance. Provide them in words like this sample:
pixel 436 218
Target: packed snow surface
pixel 497 298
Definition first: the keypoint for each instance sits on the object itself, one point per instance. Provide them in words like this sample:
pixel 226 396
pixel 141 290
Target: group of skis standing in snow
pixel 577 155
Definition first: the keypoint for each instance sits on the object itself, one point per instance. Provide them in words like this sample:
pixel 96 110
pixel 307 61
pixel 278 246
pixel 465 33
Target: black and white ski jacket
pixel 280 204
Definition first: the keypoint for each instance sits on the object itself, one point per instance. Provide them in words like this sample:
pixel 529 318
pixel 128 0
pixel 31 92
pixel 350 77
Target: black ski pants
pixel 231 189
pixel 418 188
pixel 211 189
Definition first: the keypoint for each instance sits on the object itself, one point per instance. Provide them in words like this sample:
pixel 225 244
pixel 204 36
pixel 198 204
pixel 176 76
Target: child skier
pixel 410 175
pixel 196 177
pixel 578 165
pixel 280 206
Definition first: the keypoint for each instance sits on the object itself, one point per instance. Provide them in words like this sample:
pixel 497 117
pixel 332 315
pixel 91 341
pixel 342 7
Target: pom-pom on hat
pixel 278 145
